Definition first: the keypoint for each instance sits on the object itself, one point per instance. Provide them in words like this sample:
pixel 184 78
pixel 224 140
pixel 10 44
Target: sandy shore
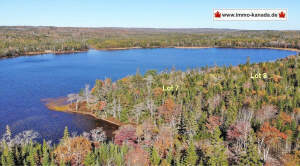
pixel 61 105
pixel 91 114
pixel 288 49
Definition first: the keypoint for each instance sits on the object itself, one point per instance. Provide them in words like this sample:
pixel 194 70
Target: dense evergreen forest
pixel 209 116
pixel 16 41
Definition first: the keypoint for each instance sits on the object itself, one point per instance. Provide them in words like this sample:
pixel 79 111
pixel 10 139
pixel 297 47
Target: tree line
pixel 16 41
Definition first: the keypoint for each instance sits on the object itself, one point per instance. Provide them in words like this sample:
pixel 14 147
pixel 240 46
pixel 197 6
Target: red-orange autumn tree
pixel 268 136
pixel 137 157
pixel 164 140
pixel 126 135
pixel 73 150
pixel 169 110
pixel 212 123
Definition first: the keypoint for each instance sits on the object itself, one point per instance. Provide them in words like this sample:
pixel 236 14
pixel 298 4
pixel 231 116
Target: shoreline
pixel 129 48
pixel 287 49
pixel 273 48
pixel 43 52
pixel 117 48
pixel 90 114
pixel 54 52
pixel 192 47
pixel 59 105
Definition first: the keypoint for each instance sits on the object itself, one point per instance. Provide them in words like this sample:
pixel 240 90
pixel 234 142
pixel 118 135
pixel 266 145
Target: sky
pixel 141 13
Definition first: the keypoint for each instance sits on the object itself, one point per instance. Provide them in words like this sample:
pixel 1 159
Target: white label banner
pixel 250 14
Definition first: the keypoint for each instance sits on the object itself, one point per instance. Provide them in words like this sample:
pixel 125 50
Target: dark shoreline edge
pixel 89 114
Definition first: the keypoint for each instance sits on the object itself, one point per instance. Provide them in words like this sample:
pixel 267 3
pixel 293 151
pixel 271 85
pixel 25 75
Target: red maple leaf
pixel 218 14
pixel 281 14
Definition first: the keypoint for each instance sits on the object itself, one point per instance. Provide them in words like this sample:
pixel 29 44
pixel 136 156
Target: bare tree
pixel 114 107
pixel 214 101
pixel 119 109
pixel 22 138
pixel 87 93
pixel 96 135
pixel 149 80
pixel 78 99
pixel 245 115
pixel 25 137
pixel 71 98
pixel 7 136
pixel 138 109
pixel 266 112
pixel 150 106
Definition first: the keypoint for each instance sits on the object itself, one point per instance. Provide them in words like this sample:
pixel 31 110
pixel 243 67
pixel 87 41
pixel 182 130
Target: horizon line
pixel 95 27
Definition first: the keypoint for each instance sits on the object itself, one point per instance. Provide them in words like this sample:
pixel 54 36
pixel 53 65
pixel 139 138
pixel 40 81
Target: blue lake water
pixel 24 81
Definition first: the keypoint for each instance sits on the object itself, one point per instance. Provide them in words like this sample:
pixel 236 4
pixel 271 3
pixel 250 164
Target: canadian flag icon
pixel 281 14
pixel 217 14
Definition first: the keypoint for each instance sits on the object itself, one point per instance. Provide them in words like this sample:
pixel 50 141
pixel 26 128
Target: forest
pixel 17 41
pixel 209 116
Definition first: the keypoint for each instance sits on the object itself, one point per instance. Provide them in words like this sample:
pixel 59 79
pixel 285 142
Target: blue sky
pixel 140 13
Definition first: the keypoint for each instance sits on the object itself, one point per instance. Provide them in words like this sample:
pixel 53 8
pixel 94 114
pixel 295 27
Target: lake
pixel 24 81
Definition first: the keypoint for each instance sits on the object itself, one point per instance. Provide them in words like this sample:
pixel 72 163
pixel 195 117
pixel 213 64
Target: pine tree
pixel 7 157
pixel 155 158
pixel 8 131
pixel 62 163
pixel 90 159
pixel 191 157
pixel 52 162
pixel 45 159
pixel 25 162
pixel 66 133
pixel 182 128
pixel 192 123
pixel 18 156
pixel 169 157
pixel 251 157
pixel 218 156
pixel 31 157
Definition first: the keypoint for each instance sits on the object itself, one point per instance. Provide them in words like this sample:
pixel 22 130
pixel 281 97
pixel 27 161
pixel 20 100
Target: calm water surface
pixel 24 81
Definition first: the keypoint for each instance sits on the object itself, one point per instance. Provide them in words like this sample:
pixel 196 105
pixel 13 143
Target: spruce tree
pixel 45 159
pixel 251 156
pixel 90 159
pixel 191 157
pixel 62 163
pixel 182 128
pixel 18 156
pixel 52 162
pixel 155 158
pixel 8 131
pixel 31 157
pixel 66 133
pixel 7 157
pixel 169 157
pixel 218 156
